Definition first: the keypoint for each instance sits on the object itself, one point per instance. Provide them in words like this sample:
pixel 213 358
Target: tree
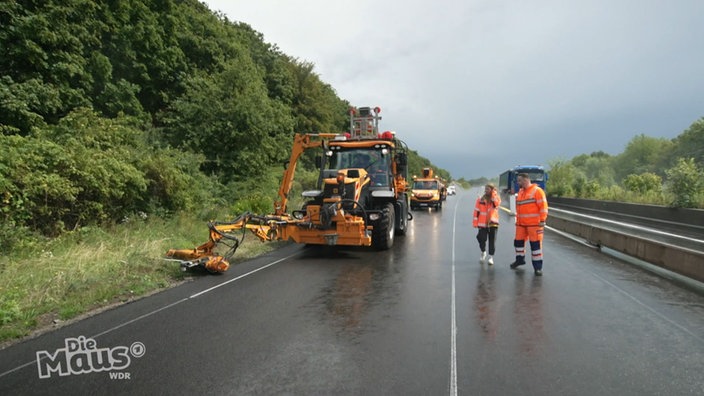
pixel 315 104
pixel 642 154
pixel 643 183
pixel 597 166
pixel 108 108
pixel 562 175
pixel 44 46
pixel 416 163
pixel 690 144
pixel 230 117
pixel 684 184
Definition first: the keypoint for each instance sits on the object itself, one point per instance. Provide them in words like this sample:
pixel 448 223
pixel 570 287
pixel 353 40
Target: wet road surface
pixel 424 318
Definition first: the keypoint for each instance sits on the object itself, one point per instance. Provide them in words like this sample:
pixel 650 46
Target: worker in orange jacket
pixel 486 220
pixel 531 213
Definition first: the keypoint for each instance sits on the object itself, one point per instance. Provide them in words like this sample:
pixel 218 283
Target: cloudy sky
pixel 478 86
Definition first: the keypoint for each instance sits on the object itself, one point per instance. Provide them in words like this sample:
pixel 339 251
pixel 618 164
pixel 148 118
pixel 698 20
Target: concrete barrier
pixel 661 249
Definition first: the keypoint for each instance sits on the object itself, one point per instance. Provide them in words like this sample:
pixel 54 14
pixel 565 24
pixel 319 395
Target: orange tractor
pixel 361 197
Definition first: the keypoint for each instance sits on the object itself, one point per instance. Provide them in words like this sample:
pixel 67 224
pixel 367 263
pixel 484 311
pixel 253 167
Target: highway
pixel 424 318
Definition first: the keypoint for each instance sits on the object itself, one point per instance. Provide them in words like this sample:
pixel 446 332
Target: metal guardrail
pixel 680 221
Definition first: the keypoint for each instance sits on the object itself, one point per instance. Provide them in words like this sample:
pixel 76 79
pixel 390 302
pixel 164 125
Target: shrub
pixel 684 184
pixel 643 183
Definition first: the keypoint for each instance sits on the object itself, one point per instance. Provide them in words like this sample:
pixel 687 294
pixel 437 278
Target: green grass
pixel 62 279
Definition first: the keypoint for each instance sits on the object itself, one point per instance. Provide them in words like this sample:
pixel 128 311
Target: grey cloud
pixel 479 86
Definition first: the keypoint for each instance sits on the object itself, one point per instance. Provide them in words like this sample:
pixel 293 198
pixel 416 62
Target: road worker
pixel 531 213
pixel 486 221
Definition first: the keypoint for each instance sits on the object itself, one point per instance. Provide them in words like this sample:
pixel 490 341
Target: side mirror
pixel 401 162
pixel 402 159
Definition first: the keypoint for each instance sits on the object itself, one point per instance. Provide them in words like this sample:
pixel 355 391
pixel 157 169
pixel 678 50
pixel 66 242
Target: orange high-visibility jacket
pixel 487 210
pixel 531 206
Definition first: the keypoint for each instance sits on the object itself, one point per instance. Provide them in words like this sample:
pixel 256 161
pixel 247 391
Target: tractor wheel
pixel 384 229
pixel 402 217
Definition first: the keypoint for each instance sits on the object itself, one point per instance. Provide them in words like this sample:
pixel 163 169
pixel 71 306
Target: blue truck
pixel 509 185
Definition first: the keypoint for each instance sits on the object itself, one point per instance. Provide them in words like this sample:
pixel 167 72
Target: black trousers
pixel 487 233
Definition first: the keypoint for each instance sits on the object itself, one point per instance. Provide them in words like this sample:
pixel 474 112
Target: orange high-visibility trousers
pixel 534 234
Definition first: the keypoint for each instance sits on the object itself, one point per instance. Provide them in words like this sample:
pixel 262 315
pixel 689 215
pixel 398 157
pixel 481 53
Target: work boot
pixel 516 263
pixel 482 257
pixel 491 260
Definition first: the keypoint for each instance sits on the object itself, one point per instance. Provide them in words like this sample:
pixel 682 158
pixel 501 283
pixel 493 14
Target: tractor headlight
pixel 374 216
pixel 298 214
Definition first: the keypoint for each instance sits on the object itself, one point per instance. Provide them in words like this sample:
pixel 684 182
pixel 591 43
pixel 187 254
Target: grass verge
pixel 46 286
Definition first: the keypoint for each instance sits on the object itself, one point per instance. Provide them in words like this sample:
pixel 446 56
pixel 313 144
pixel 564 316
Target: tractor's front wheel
pixel 384 229
pixel 403 216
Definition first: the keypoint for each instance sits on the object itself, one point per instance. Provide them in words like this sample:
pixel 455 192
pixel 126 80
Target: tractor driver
pixel 361 161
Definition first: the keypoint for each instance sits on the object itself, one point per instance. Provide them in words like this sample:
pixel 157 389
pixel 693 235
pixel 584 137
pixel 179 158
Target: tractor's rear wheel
pixel 384 229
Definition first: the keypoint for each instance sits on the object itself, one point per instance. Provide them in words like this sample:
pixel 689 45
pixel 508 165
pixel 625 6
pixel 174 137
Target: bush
pixel 560 182
pixel 14 238
pixel 684 184
pixel 643 183
pixel 36 189
pixel 89 170
pixel 174 182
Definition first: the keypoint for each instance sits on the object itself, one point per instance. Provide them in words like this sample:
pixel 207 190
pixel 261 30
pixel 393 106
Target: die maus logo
pixel 81 355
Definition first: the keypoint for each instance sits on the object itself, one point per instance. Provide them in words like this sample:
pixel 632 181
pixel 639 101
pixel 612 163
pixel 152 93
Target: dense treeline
pixel 649 170
pixel 110 109
pixel 416 164
pixel 113 109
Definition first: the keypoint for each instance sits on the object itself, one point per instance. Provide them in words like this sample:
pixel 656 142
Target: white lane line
pixel 148 314
pixel 243 275
pixel 453 330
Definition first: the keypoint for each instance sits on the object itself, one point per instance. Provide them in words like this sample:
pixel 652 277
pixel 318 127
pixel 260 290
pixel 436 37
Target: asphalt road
pixel 424 318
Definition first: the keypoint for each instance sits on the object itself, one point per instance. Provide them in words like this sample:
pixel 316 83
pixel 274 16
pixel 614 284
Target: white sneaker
pixel 482 257
pixel 491 260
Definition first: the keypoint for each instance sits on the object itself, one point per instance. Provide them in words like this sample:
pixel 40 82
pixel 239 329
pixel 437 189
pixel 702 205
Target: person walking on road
pixel 531 213
pixel 486 220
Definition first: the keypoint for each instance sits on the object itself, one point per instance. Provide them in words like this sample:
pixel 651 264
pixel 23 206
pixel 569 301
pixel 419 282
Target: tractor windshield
pixel 375 162
pixel 425 185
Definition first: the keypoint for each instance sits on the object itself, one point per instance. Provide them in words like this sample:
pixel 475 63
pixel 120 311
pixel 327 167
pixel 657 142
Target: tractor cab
pixel 375 162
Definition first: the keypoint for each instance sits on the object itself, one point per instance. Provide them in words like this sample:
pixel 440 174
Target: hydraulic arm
pixel 360 197
pixel 222 233
pixel 280 225
pixel 301 143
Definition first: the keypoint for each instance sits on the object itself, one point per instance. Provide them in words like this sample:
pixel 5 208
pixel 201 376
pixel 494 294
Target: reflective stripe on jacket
pixel 531 206
pixel 486 210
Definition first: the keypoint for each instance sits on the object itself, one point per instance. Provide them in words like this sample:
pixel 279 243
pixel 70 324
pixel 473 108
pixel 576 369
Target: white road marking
pixel 453 330
pixel 173 304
